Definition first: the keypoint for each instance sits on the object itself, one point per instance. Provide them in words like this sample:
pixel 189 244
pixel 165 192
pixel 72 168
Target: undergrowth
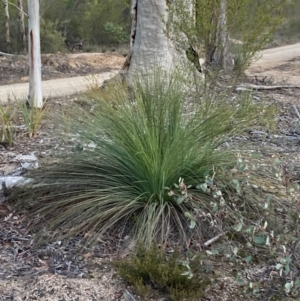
pixel 153 161
pixel 151 269
pixel 32 117
pixel 135 143
pixel 7 130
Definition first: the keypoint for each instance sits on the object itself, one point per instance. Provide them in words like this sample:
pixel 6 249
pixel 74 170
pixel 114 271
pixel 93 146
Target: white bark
pixel 150 47
pixel 34 51
pixel 7 34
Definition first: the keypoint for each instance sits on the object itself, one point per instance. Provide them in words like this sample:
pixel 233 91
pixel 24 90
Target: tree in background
pixel 15 10
pixel 7 33
pixel 219 23
pixel 108 23
pixel 289 31
pixel 222 55
pixel 96 22
pixel 22 24
pixel 150 46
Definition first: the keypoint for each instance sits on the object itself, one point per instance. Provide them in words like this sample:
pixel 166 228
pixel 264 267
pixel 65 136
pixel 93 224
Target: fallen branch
pixel 22 11
pixel 296 111
pixel 6 54
pixel 249 87
pixel 128 296
pixel 212 240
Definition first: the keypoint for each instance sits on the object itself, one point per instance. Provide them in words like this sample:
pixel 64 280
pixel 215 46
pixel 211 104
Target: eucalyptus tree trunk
pixel 150 47
pixel 7 34
pixel 222 55
pixel 22 24
pixel 34 51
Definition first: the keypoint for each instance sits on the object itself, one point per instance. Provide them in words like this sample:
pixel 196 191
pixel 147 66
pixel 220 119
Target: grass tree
pixel 135 147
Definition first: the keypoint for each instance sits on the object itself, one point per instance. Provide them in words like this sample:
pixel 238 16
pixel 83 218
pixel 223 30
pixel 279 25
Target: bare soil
pixel 57 271
pixel 278 65
pixel 14 69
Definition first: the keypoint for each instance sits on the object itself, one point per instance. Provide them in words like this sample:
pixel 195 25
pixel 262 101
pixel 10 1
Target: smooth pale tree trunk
pixel 22 24
pixel 7 34
pixel 34 52
pixel 150 48
pixel 222 55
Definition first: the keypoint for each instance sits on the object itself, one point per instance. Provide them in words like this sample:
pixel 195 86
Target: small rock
pixel 13 181
pixel 25 158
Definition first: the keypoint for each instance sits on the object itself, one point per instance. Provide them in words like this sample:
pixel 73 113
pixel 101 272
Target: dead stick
pixel 128 296
pixel 296 111
pixel 212 240
pixel 6 54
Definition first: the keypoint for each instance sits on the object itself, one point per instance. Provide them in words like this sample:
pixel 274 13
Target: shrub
pixel 32 117
pixel 51 39
pixel 115 34
pixel 134 145
pixel 169 275
pixel 7 130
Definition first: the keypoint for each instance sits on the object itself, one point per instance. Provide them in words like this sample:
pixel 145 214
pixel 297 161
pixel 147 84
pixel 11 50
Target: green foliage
pixel 51 39
pixel 32 117
pixel 252 23
pixel 246 205
pixel 96 22
pixel 115 34
pixel 152 268
pixel 133 147
pixel 290 28
pixel 16 44
pixel 7 131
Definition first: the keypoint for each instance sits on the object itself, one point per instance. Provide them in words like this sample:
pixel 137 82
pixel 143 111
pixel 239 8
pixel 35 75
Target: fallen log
pixel 251 87
pixel 248 87
pixel 6 54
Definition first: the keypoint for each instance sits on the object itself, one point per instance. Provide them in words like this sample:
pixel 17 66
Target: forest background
pixel 99 24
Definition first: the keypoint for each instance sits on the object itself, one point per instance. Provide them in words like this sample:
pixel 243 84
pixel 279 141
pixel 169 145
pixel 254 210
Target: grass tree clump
pixel 32 117
pixel 7 130
pixel 135 144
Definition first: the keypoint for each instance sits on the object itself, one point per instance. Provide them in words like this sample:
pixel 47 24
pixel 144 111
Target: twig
pixel 6 54
pixel 249 87
pixel 212 240
pixel 16 7
pixel 128 296
pixel 296 111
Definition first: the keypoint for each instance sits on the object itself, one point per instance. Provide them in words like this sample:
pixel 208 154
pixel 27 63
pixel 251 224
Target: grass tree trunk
pixel 7 33
pixel 34 49
pixel 150 47
pixel 22 24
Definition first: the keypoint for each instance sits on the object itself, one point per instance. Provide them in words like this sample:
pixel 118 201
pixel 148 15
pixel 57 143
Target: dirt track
pixel 62 74
pixel 282 64
pixel 54 87
pixel 273 56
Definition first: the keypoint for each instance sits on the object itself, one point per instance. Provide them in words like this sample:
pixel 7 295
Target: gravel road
pixel 54 87
pixel 267 59
pixel 273 56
